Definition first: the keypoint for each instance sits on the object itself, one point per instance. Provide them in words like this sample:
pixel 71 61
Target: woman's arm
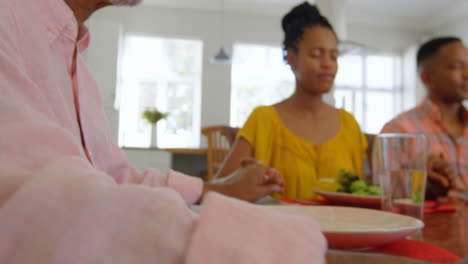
pixel 240 149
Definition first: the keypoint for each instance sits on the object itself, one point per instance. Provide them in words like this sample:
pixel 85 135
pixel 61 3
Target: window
pixel 166 74
pixel 369 87
pixel 259 77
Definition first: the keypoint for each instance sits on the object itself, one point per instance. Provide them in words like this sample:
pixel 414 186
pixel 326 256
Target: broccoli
pixel 374 190
pixel 345 179
pixel 351 183
pixel 359 186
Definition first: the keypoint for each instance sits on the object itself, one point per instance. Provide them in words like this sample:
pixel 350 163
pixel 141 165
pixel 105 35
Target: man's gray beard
pixel 125 2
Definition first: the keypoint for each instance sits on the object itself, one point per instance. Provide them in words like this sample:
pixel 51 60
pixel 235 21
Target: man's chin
pixel 463 95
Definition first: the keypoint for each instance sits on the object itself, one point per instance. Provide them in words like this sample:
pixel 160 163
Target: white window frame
pixel 267 84
pixel 396 90
pixel 175 141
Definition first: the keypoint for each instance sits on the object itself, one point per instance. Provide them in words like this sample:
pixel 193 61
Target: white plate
pixel 351 199
pixel 354 228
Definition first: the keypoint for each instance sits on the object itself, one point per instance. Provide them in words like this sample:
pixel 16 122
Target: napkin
pixel 417 250
pixel 434 207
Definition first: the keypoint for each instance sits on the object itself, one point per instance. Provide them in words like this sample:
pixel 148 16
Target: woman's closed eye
pixel 316 53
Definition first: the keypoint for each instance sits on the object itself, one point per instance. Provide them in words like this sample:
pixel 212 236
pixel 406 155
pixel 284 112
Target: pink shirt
pixel 426 118
pixel 63 205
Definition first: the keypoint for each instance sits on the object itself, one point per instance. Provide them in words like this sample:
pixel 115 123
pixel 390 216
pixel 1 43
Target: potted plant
pixel 152 116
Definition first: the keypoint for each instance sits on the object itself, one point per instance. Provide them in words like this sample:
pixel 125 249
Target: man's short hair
pixel 429 48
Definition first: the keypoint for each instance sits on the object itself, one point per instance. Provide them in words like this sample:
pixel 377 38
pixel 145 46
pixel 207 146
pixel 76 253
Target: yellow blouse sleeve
pixel 256 126
pixel 248 131
pixel 260 130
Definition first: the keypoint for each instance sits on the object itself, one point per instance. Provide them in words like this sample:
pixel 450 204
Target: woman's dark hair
pixel 297 21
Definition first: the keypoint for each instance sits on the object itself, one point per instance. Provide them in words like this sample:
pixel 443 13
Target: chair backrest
pixel 230 133
pixel 220 140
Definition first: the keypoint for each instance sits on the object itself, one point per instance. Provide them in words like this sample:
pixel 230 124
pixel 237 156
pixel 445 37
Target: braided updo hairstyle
pixel 299 19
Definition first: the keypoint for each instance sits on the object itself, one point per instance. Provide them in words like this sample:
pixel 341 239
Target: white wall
pixel 143 159
pixel 413 88
pixel 384 38
pixel 108 24
pixel 102 59
pixel 459 28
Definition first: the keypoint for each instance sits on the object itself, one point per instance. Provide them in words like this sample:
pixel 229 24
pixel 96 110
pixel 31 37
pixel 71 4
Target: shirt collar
pixel 430 109
pixel 57 19
pixel 83 39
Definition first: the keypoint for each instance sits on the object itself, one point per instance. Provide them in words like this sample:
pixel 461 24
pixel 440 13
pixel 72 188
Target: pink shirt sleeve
pixel 83 216
pixel 57 208
pixel 394 126
pixel 190 188
pixel 232 231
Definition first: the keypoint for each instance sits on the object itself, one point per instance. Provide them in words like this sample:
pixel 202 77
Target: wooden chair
pixel 220 140
pixel 230 133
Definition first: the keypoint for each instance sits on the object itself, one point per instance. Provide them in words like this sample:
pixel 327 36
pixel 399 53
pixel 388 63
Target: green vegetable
pixel 374 190
pixel 345 179
pixel 351 183
pixel 359 186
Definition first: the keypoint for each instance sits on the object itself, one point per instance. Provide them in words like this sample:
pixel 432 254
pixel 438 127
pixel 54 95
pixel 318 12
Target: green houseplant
pixel 152 116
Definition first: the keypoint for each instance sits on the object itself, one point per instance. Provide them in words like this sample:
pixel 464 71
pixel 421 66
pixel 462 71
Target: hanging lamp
pixel 221 57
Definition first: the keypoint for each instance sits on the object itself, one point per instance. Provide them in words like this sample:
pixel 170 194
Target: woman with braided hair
pixel 303 137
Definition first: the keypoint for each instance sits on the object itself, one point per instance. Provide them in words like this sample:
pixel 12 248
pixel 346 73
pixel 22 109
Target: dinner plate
pixel 356 228
pixel 341 198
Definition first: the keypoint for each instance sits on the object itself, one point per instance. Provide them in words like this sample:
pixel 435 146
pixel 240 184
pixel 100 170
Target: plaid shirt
pixel 426 118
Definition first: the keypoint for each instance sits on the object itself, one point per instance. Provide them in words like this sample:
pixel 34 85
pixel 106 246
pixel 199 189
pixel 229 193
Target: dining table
pixel 447 230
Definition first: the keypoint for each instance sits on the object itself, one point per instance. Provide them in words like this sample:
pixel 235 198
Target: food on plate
pixel 327 185
pixel 351 183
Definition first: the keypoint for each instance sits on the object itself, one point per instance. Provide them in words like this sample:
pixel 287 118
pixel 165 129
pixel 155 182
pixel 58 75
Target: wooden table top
pixel 448 230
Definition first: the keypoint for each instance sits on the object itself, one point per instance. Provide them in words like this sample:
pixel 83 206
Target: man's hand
pixel 441 176
pixel 251 182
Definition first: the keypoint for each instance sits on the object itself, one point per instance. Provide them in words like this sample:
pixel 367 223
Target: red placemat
pixel 434 207
pixel 417 250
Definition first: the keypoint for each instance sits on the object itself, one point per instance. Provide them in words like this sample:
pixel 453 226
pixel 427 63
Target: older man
pixel 68 194
pixel 443 68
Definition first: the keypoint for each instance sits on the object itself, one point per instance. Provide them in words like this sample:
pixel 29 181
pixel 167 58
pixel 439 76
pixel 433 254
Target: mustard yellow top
pixel 300 162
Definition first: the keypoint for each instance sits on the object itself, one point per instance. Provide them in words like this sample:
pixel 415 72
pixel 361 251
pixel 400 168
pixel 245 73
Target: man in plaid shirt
pixel 441 116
